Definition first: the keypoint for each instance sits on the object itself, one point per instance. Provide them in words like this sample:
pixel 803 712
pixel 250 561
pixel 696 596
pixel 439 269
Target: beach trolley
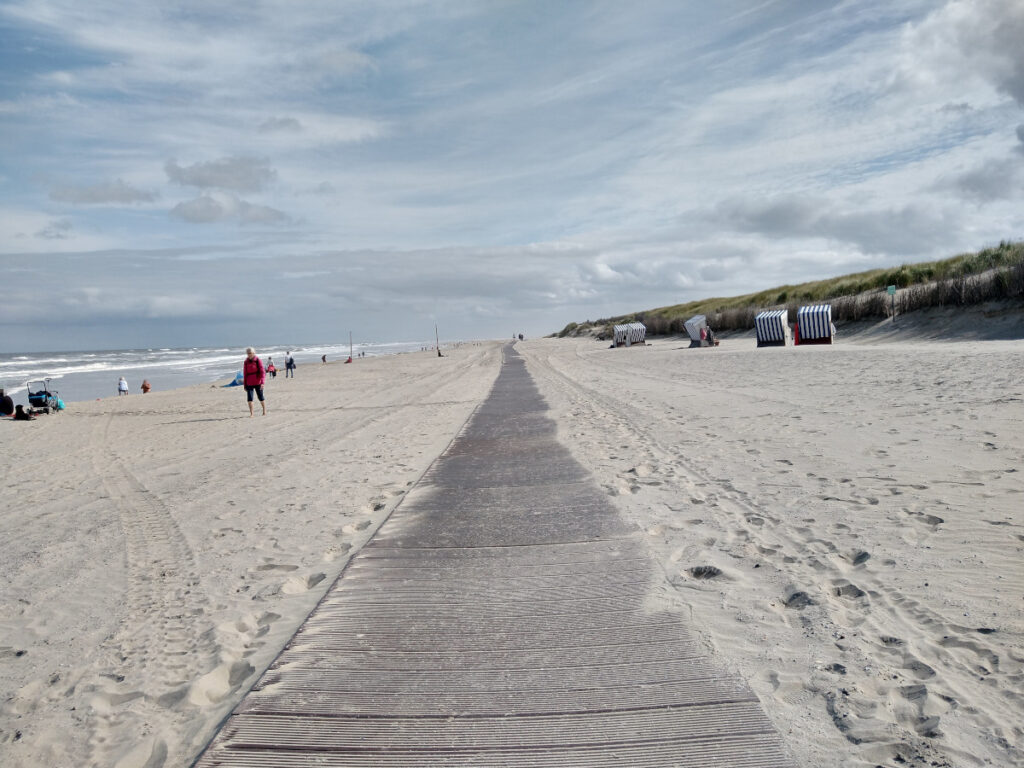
pixel 41 396
pixel 693 326
pixel 629 334
pixel 814 325
pixel 772 328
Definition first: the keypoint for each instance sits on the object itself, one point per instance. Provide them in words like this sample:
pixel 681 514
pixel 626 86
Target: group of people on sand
pixel 254 376
pixel 289 366
pixel 122 386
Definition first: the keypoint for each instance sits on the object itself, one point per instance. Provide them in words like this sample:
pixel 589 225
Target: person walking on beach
pixel 145 386
pixel 253 377
pixel 122 387
pixel 289 365
pixel 271 368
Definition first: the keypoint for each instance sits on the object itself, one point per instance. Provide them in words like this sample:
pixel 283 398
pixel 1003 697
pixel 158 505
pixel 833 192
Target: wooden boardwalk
pixel 505 615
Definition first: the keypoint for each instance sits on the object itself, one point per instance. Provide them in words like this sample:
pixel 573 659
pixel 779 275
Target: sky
pixel 197 173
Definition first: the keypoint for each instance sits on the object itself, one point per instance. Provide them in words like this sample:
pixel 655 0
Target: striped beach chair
pixel 693 326
pixel 814 324
pixel 628 334
pixel 772 328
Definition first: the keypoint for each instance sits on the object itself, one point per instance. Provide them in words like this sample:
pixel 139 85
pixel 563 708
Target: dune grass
pixel 969 278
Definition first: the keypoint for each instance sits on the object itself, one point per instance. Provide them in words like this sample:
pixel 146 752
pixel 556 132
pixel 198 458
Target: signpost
pixel 892 293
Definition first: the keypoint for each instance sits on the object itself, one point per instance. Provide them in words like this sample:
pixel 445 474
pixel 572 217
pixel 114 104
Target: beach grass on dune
pixel 991 274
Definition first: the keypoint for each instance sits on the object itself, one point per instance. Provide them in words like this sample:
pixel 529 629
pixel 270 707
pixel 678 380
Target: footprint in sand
pixel 299 584
pixel 859 557
pixel 704 572
pixel 917 668
pixel 352 528
pixel 932 521
pixel 276 567
pixel 797 599
pixel 848 590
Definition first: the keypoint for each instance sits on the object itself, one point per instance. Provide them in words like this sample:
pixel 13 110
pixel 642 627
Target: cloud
pixel 280 124
pixel 996 179
pixel 116 191
pixel 903 230
pixel 57 230
pixel 979 37
pixel 323 188
pixel 957 109
pixel 240 174
pixel 210 208
pixel 201 210
pixel 260 214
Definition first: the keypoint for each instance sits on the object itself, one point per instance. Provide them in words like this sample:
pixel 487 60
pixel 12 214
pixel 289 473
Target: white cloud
pixel 982 38
pixel 201 210
pixel 116 191
pixel 217 206
pixel 241 174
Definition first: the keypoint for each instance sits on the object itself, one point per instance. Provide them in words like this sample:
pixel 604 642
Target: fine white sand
pixel 858 509
pixel 845 523
pixel 158 550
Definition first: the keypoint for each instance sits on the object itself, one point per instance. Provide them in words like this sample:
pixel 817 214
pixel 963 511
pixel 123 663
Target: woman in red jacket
pixel 253 377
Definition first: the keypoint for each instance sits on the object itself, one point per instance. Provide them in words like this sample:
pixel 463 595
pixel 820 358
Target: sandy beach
pixel 844 525
pixel 158 550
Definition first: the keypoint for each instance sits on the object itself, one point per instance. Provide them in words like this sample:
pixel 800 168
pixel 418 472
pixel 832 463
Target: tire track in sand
pixel 159 659
pixel 911 701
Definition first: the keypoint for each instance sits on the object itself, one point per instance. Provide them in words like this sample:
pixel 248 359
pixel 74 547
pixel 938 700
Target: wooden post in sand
pixel 438 340
pixel 892 294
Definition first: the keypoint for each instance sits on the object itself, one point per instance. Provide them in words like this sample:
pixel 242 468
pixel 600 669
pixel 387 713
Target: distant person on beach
pixel 122 387
pixel 289 365
pixel 20 414
pixel 6 404
pixel 271 368
pixel 253 378
pixel 145 386
pixel 323 359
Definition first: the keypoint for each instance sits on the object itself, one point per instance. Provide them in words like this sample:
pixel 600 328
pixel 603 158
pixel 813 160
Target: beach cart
pixel 772 328
pixel 814 325
pixel 693 327
pixel 628 334
pixel 40 395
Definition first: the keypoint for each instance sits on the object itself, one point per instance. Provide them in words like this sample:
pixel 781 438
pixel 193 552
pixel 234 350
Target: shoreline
pixel 92 374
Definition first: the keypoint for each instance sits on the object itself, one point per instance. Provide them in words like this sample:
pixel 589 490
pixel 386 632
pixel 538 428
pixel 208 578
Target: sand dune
pixel 846 524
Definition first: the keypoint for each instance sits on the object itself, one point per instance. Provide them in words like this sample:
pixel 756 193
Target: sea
pixel 89 375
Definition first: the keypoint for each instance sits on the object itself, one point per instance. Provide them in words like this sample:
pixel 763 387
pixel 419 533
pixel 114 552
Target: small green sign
pixel 891 289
